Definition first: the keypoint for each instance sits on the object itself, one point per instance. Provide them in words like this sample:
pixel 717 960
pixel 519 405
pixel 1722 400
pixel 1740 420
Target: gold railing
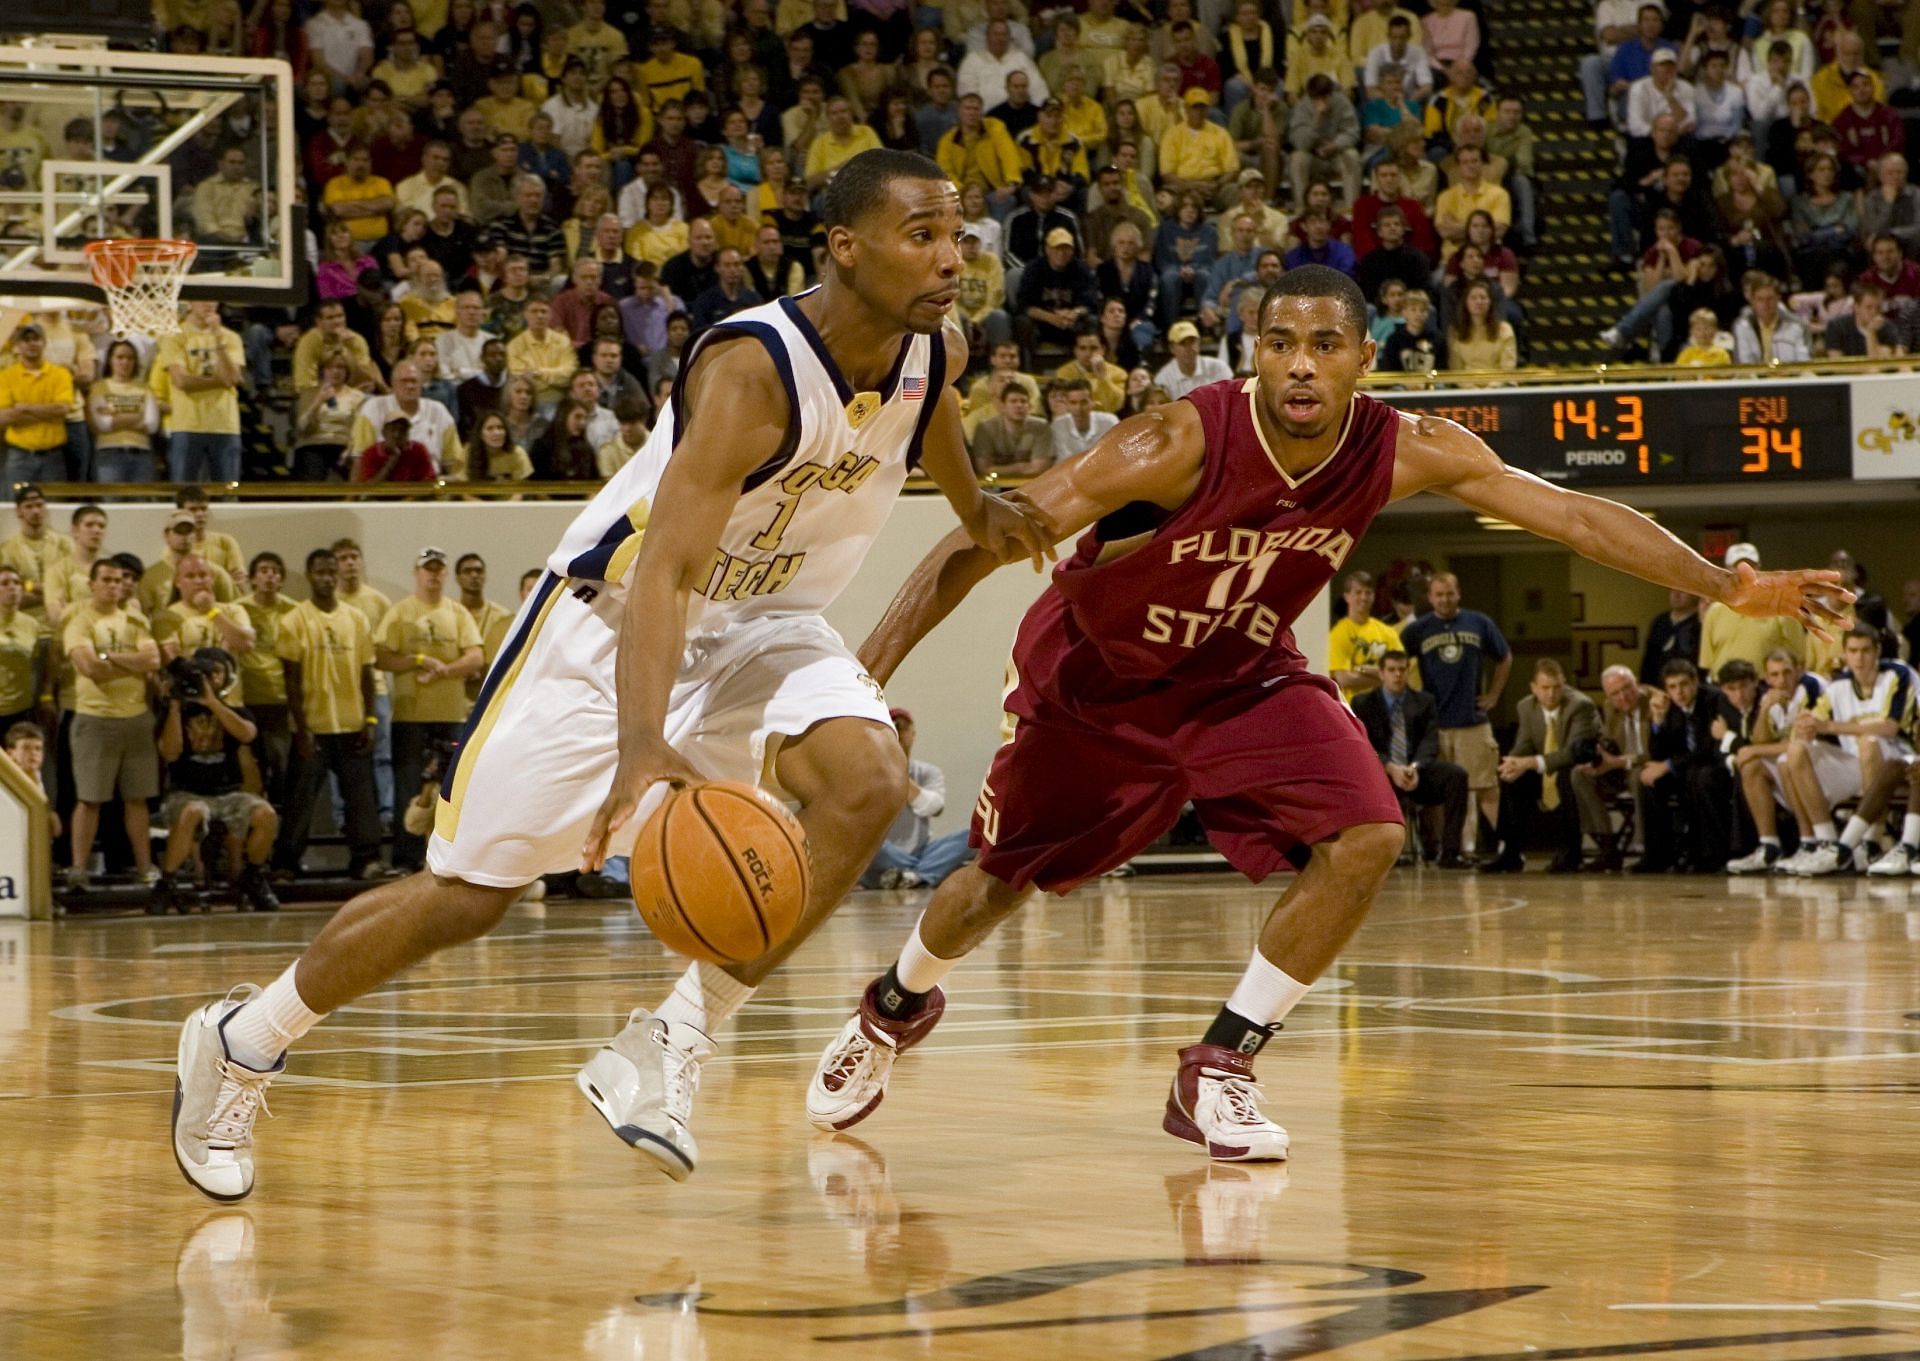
pixel 1569 375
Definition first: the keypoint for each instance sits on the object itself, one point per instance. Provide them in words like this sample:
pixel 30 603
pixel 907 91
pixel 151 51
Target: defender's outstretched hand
pixel 1814 598
pixel 1011 529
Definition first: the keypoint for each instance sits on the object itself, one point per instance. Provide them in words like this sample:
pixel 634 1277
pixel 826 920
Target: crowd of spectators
pixel 182 685
pixel 591 185
pixel 1739 745
pixel 1763 197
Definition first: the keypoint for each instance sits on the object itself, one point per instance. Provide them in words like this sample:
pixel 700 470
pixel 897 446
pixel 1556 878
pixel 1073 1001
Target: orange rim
pixel 115 261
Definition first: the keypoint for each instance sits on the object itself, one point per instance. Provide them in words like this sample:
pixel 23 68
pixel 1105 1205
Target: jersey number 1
pixel 769 538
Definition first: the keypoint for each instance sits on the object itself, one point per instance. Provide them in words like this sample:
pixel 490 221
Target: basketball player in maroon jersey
pixel 1160 667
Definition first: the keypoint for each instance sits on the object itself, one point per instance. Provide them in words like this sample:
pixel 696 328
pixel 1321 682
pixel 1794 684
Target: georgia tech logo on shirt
pixel 732 577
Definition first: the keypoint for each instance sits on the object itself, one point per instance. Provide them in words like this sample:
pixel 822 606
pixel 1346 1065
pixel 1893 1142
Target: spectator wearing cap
pixel 989 62
pixel 1660 91
pixel 26 678
pixel 1057 294
pixel 1316 53
pixel 506 111
pixel 1324 133
pixel 431 645
pixel 113 652
pixel 217 547
pixel 911 856
pixel 396 457
pixel 156 589
pixel 1028 227
pixel 1197 155
pixel 1270 226
pixel 35 397
pixel 1050 149
pixel 981 302
pixel 1188 369
pixel 38 553
pixel 1726 635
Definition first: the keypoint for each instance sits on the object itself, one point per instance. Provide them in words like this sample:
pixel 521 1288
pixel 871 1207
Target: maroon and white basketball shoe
pixel 1215 1104
pixel 851 1078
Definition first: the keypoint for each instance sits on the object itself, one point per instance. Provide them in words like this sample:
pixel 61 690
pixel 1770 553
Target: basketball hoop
pixel 141 279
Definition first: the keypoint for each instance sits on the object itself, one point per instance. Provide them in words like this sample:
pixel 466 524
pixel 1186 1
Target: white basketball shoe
pixel 215 1102
pixel 643 1082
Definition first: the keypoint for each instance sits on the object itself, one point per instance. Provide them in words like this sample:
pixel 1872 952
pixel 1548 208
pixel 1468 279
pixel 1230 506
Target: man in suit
pixel 1690 790
pixel 1400 722
pixel 1626 736
pixel 1557 723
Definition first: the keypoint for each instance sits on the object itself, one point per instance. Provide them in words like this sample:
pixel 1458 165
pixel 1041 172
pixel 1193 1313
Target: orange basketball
pixel 720 872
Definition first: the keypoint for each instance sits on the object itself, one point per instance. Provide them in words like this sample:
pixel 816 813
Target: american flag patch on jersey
pixel 913 389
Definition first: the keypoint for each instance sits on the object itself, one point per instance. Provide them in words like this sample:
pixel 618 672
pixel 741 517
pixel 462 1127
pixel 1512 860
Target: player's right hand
pixel 638 771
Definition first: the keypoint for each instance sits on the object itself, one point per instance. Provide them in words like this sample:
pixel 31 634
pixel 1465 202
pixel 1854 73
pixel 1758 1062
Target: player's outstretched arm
pixel 1155 456
pixel 734 418
pixel 1005 529
pixel 1440 456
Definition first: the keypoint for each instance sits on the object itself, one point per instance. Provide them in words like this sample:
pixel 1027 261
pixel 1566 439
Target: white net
pixel 142 282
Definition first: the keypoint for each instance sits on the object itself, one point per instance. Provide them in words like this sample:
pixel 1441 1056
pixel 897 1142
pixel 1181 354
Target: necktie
pixel 1397 744
pixel 1550 786
pixel 1686 721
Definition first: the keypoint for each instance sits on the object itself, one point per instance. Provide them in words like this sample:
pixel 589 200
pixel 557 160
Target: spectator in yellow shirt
pixel 1198 156
pixel 840 141
pixel 543 354
pixel 1471 193
pixel 360 198
pixel 431 645
pixel 1358 641
pixel 669 74
pixel 113 653
pixel 979 150
pixel 199 368
pixel 35 397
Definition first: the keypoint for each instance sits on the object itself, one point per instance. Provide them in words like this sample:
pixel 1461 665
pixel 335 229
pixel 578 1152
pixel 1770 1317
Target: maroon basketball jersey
pixel 1211 597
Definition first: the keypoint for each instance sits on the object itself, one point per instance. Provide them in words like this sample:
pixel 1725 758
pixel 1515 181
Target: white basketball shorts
pixel 539 752
pixel 1838 773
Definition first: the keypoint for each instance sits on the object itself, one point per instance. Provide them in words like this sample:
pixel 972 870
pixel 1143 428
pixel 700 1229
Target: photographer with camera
pixel 196 620
pixel 204 743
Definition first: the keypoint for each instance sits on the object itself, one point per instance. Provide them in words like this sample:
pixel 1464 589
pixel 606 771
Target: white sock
pixel 1825 832
pixel 1910 832
pixel 1857 829
pixel 920 969
pixel 1772 841
pixel 704 998
pixel 260 1032
pixel 1265 993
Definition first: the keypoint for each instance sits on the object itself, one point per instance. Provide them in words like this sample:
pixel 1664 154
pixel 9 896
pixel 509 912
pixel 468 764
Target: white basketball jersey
pixel 807 517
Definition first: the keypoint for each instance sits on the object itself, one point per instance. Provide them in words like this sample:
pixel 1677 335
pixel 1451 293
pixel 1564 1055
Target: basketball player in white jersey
pixel 693 651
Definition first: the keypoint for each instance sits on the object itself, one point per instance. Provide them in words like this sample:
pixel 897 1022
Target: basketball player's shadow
pixel 902 1248
pixel 1220 1209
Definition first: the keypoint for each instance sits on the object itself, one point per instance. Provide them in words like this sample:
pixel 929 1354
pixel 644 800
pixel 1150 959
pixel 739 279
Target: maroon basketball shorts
pixel 1269 769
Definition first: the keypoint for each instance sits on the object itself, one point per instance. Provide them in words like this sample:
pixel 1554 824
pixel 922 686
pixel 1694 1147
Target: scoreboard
pixel 1659 434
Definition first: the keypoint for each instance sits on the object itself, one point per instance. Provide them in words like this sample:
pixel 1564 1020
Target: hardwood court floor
pixel 1532 1118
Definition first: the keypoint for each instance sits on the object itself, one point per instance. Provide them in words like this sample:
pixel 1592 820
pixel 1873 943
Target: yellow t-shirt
pixel 1351 646
pixel 673 78
pixel 1207 153
pixel 828 153
pixel 340 189
pixel 262 681
pixel 19 637
pixel 123 696
pixel 156 587
pixel 330 648
pixel 211 411
pixel 46 386
pixel 223 551
pixel 658 244
pixel 1702 357
pixel 38 561
pixel 600 45
pixel 441 631
pixel 373 606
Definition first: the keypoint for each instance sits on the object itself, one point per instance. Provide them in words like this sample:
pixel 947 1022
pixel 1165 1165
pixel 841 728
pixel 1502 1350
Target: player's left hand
pixel 1010 529
pixel 1815 598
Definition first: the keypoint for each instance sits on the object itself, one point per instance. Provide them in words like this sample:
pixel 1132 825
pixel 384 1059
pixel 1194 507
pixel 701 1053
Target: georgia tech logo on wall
pixel 1900 428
